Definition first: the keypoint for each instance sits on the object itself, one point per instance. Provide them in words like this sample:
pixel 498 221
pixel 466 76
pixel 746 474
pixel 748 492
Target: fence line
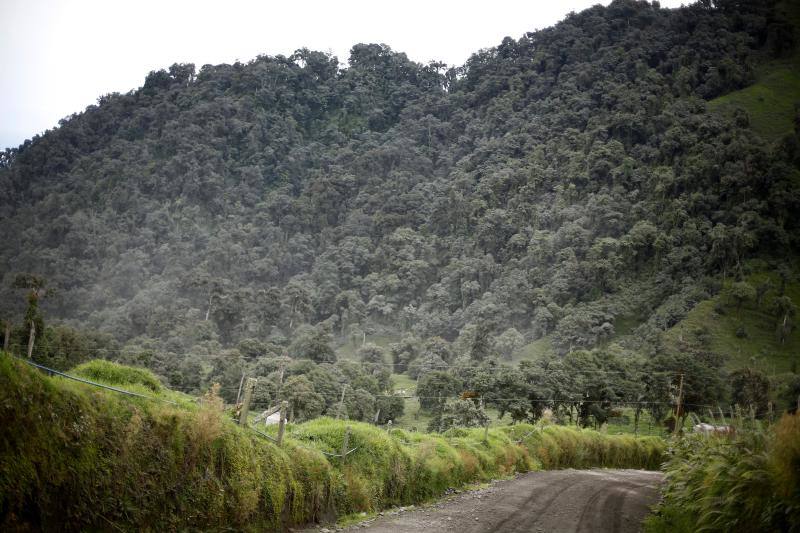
pixel 93 383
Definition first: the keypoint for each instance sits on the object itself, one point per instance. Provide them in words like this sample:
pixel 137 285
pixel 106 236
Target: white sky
pixel 60 55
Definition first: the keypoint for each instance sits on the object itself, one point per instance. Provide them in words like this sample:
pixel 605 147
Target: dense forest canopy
pixel 555 185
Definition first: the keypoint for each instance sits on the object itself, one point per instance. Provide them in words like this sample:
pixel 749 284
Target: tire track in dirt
pixel 557 501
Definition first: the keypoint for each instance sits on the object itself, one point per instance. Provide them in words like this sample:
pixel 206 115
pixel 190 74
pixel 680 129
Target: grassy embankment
pixel 760 346
pixel 75 457
pixel 770 101
pixel 749 481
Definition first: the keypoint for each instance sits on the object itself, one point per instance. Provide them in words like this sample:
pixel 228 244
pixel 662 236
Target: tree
pixel 458 413
pixel 372 354
pixel 784 309
pixel 703 378
pixel 404 352
pixel 739 293
pixel 475 341
pixel 389 408
pixel 790 395
pixel 359 405
pixel 304 402
pixel 424 364
pixel 313 343
pixel 508 342
pixel 509 392
pixel 435 387
pixel 33 318
pixel 750 389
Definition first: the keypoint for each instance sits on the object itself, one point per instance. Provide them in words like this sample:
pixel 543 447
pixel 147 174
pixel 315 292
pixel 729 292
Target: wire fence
pixel 52 371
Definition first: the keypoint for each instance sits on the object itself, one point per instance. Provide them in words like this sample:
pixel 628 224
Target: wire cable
pixel 95 384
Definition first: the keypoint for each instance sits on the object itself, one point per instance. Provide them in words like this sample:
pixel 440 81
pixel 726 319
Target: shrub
pixel 117 375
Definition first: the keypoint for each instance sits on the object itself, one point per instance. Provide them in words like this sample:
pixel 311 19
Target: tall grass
pixel 73 457
pixel 748 481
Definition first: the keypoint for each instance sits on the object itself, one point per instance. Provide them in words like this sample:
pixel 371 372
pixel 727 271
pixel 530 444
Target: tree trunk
pixel 31 339
pixel 7 338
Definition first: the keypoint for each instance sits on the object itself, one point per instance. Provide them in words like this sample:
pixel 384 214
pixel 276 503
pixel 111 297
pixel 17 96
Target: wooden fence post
pixel 248 397
pixel 345 442
pixel 282 423
pixel 486 432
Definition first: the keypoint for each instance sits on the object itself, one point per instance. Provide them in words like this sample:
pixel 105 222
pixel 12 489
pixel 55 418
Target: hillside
pixel 582 187
pixel 771 101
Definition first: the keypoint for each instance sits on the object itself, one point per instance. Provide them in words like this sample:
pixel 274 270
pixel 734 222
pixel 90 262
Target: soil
pixel 557 501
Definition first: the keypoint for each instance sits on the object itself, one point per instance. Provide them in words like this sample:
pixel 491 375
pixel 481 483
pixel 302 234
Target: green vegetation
pixel 772 101
pixel 745 481
pixel 571 227
pixel 84 458
pixel 116 374
pixel 747 336
pixel 559 191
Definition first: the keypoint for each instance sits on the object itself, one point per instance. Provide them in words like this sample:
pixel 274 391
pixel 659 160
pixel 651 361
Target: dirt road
pixel 557 501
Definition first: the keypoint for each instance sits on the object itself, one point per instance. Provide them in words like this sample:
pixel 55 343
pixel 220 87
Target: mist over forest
pixel 299 289
pixel 574 190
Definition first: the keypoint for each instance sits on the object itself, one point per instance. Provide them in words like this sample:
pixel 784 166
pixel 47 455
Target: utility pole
pixel 341 403
pixel 248 397
pixel 678 406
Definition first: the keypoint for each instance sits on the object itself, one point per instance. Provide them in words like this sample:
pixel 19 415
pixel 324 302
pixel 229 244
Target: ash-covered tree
pixel 508 342
pixel 305 403
pixel 389 408
pixel 435 388
pixel 313 343
pixel 458 413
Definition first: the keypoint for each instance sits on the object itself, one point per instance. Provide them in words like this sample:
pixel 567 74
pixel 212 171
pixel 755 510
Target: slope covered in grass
pixel 745 337
pixel 771 101
pixel 74 457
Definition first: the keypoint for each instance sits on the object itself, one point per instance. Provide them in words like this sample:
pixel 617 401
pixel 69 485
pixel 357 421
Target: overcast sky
pixel 60 55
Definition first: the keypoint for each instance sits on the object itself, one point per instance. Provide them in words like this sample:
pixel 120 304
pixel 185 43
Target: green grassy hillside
pixel 746 337
pixel 770 101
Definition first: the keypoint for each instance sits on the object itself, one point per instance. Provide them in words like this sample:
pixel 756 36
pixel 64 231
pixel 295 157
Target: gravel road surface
pixel 557 501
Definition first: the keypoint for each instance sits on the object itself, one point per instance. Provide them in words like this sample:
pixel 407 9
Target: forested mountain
pixel 556 185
